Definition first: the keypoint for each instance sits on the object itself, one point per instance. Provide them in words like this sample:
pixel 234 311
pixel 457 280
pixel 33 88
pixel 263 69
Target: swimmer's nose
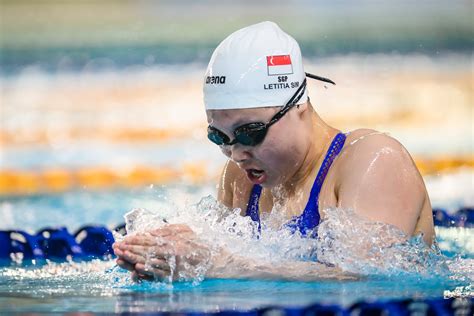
pixel 239 153
pixel 226 151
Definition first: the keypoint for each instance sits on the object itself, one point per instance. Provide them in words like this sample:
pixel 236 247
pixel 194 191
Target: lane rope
pixel 95 241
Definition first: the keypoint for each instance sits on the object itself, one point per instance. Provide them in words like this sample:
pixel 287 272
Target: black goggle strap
pixel 293 100
pixel 298 94
pixel 319 78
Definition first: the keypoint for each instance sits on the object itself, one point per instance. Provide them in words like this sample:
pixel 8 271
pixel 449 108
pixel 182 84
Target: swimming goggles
pixel 252 134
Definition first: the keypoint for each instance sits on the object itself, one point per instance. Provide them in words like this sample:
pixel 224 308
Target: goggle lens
pixel 248 135
pixel 251 134
pixel 217 137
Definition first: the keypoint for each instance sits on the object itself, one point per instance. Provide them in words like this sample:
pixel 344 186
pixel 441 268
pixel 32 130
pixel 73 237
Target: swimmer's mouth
pixel 256 176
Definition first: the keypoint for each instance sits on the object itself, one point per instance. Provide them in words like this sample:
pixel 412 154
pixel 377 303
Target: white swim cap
pixel 257 66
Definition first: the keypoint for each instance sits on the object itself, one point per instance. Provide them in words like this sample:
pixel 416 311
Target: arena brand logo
pixel 279 65
pixel 215 80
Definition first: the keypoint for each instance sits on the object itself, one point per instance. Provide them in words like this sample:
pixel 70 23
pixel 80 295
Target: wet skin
pixel 373 175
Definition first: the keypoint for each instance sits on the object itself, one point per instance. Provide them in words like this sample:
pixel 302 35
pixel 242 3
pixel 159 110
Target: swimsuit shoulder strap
pixel 310 217
pixel 334 150
pixel 252 206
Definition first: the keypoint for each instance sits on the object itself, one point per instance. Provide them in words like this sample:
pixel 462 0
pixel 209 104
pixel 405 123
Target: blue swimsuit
pixel 310 217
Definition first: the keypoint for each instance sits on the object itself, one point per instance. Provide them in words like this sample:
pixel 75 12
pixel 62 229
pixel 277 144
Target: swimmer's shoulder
pixel 234 186
pixel 370 156
pixel 362 146
pixel 367 136
pixel 377 174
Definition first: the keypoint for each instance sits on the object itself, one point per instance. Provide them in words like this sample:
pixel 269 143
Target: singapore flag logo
pixel 279 65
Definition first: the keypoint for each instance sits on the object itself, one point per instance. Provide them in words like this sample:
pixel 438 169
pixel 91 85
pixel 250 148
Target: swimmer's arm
pixel 381 183
pixel 146 259
pixel 227 266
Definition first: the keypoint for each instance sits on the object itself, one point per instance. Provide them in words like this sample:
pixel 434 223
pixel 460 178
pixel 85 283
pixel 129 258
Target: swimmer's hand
pixel 170 253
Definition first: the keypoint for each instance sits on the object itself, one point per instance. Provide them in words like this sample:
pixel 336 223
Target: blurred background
pixel 101 104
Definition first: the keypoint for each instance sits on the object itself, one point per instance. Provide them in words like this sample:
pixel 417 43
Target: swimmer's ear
pixel 303 107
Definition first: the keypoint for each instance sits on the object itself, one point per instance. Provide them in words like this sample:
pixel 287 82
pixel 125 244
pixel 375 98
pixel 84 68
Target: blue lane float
pixel 464 217
pixel 405 307
pixel 88 242
pixel 17 241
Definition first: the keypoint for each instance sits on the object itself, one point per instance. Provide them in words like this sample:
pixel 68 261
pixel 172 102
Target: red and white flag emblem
pixel 279 65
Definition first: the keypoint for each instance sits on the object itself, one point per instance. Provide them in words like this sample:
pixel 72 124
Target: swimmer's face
pixel 272 161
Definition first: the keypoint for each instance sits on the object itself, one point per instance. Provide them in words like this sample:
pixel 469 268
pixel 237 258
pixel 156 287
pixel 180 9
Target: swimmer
pixel 260 115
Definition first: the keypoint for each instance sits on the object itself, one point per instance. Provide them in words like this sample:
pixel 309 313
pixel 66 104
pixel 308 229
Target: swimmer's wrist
pixel 217 268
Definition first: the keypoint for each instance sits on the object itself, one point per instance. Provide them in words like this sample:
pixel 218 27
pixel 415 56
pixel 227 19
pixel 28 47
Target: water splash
pixel 386 250
pixel 388 254
pixel 57 270
pixel 425 272
pixel 97 278
pixel 374 248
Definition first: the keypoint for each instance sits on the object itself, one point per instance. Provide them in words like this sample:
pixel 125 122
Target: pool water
pixel 109 291
pixel 100 286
